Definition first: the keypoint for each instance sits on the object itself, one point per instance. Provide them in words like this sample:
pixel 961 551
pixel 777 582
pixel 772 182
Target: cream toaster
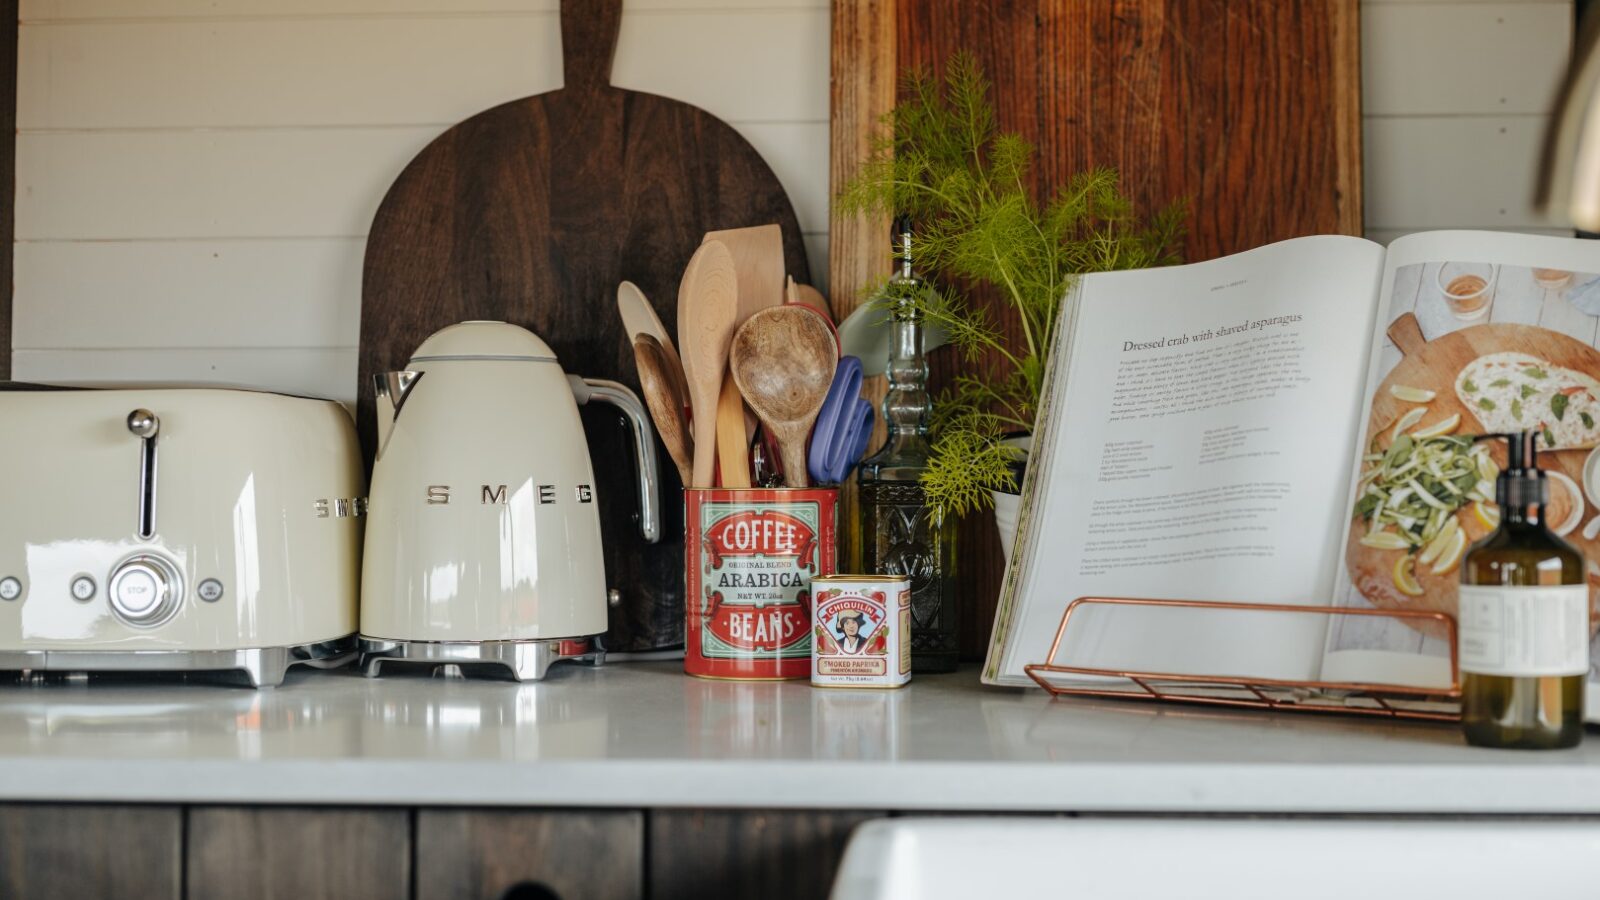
pixel 177 530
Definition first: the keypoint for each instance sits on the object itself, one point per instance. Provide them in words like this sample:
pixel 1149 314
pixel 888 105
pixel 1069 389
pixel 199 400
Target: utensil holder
pixel 749 557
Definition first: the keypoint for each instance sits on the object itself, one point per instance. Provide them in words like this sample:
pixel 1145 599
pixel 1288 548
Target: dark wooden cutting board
pixel 531 213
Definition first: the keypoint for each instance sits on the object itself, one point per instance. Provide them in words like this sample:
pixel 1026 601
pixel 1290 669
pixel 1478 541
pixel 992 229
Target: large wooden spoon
pixel 783 360
pixel 639 317
pixel 708 312
pixel 665 400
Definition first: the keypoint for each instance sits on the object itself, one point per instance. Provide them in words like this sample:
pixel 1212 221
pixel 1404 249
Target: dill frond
pixel 942 160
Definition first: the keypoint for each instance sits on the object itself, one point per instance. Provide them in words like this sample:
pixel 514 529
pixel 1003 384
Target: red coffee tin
pixel 750 555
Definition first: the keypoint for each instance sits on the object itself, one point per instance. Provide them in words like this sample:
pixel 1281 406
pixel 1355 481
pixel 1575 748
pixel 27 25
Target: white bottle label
pixel 1524 631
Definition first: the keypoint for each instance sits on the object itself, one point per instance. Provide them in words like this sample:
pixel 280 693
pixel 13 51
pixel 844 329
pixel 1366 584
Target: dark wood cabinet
pixel 529 855
pixel 292 853
pixel 776 855
pixel 91 852
pixel 87 852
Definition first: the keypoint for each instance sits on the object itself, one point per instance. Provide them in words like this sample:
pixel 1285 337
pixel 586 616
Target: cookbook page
pixel 1479 332
pixel 1189 447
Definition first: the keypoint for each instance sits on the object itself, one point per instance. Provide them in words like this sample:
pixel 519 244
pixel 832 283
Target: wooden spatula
pixel 666 403
pixel 758 260
pixel 708 314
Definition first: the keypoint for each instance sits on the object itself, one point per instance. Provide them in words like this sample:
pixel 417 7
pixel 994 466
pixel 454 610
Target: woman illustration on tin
pixel 849 627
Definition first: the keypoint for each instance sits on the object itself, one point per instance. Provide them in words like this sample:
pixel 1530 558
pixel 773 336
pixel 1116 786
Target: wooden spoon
pixel 806 295
pixel 784 359
pixel 666 403
pixel 708 311
pixel 639 317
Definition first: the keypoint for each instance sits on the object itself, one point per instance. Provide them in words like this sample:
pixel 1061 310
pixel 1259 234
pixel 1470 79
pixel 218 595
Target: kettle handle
pixel 644 445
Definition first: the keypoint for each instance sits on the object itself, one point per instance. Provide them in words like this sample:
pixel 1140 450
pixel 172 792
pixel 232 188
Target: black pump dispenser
pixel 1521 483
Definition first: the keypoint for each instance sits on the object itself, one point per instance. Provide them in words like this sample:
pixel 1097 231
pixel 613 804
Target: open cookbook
pixel 1291 425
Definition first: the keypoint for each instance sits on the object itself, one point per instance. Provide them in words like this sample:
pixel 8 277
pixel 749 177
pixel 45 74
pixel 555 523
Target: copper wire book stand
pixel 1439 704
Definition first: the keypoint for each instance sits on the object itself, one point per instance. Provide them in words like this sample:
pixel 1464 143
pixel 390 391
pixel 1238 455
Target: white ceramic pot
pixel 1008 506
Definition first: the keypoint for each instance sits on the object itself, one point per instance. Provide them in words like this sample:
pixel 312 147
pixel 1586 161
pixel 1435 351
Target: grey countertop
pixel 643 735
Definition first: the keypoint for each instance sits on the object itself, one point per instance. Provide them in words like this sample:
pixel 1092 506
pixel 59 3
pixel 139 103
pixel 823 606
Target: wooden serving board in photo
pixel 532 212
pixel 1433 366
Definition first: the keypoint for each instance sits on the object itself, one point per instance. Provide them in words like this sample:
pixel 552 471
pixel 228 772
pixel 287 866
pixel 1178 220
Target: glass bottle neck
pixel 906 406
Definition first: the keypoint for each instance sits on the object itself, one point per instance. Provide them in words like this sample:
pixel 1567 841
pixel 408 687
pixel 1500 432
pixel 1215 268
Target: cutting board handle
pixel 589 41
pixel 1406 332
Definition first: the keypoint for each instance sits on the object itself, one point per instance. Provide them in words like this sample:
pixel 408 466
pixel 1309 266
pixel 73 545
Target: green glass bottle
pixel 1523 619
pixel 900 534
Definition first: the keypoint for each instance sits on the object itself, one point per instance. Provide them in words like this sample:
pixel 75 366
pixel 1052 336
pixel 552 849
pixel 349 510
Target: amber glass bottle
pixel 1523 619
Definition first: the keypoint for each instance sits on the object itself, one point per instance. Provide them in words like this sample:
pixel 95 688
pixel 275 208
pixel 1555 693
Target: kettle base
pixel 525 660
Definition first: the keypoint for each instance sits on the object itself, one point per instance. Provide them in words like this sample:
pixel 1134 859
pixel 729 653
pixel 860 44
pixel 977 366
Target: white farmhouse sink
pixel 1211 859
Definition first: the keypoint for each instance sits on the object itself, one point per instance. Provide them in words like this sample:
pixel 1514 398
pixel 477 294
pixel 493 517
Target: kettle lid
pixel 484 340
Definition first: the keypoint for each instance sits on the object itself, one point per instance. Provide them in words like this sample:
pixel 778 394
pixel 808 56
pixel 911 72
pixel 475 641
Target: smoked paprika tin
pixel 750 557
pixel 861 631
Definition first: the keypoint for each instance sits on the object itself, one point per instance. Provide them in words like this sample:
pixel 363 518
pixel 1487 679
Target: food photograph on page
pixel 1471 348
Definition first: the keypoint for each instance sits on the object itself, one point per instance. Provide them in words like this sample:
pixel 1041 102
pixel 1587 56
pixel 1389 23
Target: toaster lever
pixel 144 425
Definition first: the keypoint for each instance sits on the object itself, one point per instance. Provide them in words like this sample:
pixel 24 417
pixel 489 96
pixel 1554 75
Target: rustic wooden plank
pixel 862 82
pixel 787 855
pixel 88 852
pixel 1344 18
pixel 470 854
pixel 8 172
pixel 291 853
pixel 1249 108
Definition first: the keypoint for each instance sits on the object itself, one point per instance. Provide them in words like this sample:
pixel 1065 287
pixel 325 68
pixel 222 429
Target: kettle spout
pixel 392 388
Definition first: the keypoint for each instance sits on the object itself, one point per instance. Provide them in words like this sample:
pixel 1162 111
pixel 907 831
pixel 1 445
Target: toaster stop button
pixel 144 590
pixel 10 588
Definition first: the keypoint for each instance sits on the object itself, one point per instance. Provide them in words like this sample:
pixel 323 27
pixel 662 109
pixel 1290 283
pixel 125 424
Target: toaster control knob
pixel 145 590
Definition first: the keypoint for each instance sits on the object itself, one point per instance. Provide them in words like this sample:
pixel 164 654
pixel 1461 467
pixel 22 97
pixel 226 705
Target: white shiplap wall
pixel 195 178
pixel 1456 95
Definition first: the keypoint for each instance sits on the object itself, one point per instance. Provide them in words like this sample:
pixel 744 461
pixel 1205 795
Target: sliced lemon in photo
pixel 1441 427
pixel 1487 470
pixel 1384 540
pixel 1440 541
pixel 1405 579
pixel 1410 394
pixel 1487 513
pixel 1451 556
pixel 1412 417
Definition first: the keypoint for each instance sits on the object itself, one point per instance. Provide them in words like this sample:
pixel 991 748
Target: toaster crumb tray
pixel 261 666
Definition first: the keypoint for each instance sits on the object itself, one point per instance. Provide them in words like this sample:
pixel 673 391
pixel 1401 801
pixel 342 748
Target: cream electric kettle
pixel 483 533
